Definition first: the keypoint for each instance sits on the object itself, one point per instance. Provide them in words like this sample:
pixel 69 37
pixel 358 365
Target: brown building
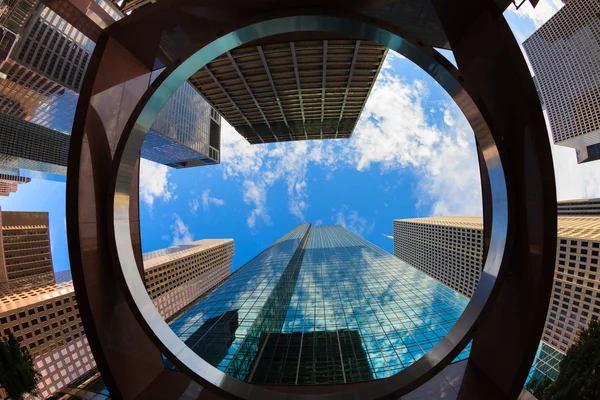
pixel 45 317
pixel 10 183
pixel 450 250
pixel 25 249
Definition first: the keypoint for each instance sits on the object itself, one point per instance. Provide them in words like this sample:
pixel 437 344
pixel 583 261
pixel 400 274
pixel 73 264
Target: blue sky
pixel 411 155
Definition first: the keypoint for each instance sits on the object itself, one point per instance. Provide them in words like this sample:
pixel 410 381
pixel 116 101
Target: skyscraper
pixel 320 305
pixel 579 207
pixel 186 133
pixel 26 257
pixel 9 183
pixel 450 250
pixel 42 75
pixel 177 275
pixel 564 55
pixel 284 91
pixel 43 315
pixel 25 145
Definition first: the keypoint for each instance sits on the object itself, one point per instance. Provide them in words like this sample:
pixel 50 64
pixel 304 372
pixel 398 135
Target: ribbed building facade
pixel 25 249
pixel 44 317
pixel 25 145
pixel 321 305
pixel 178 275
pixel 10 183
pixel 579 208
pixel 564 55
pixel 458 264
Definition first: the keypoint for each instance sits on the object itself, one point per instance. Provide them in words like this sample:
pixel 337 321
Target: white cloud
pixel 239 157
pixel 255 194
pixel 207 200
pixel 397 132
pixel 538 15
pixel 274 162
pixel 394 133
pixel 402 136
pixel 350 220
pixel 194 205
pixel 154 182
pixel 180 231
pixel 394 130
pixel 448 118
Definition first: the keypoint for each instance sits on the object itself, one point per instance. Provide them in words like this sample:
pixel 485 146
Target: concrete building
pixel 25 252
pixel 44 316
pixel 450 250
pixel 283 91
pixel 564 55
pixel 9 183
pixel 579 208
pixel 178 275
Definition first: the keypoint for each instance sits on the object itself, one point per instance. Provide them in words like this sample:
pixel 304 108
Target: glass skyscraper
pixel 320 305
pixel 40 77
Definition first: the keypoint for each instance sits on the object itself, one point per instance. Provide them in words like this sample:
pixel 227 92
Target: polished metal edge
pixel 128 153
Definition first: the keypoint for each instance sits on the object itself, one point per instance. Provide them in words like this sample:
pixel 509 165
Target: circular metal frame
pixel 170 80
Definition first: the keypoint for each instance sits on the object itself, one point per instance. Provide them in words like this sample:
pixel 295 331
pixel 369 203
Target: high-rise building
pixel 320 305
pixel 42 71
pixel 25 249
pixel 564 55
pixel 25 145
pixel 9 183
pixel 579 208
pixel 186 133
pixel 284 91
pixel 44 316
pixel 177 275
pixel 450 250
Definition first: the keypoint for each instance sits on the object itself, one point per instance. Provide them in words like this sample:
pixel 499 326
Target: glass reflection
pixel 321 305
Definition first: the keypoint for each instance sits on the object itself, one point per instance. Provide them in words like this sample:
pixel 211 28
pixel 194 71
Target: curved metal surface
pixel 143 116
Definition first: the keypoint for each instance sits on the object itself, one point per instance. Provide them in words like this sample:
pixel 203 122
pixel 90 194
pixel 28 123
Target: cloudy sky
pixel 412 155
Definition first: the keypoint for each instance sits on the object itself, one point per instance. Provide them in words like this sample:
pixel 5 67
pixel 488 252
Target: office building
pixel 178 275
pixel 43 315
pixel 9 183
pixel 186 133
pixel 286 91
pixel 450 250
pixel 43 73
pixel 25 249
pixel 46 320
pixel 564 55
pixel 588 153
pixel 53 48
pixel 579 207
pixel 25 145
pixel 44 69
pixel 321 305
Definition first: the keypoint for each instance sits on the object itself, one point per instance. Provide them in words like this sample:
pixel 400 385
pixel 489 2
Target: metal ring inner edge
pixel 164 87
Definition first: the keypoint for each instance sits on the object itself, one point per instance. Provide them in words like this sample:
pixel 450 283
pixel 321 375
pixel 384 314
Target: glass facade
pixel 42 73
pixel 185 132
pixel 546 363
pixel 321 305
